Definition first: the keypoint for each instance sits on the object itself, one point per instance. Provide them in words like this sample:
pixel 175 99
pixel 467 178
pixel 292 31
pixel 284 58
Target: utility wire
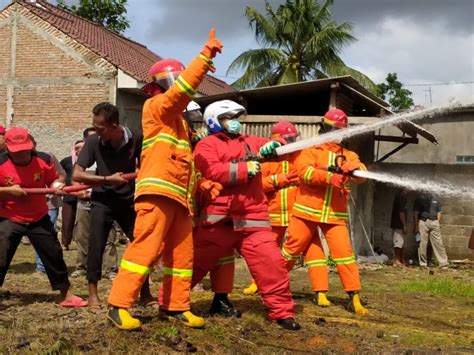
pixel 436 84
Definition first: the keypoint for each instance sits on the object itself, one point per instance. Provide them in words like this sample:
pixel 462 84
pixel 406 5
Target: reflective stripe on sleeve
pixel 185 87
pixel 307 175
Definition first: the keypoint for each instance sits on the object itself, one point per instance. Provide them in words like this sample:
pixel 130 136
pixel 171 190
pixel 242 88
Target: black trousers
pixel 68 215
pixel 102 219
pixel 44 239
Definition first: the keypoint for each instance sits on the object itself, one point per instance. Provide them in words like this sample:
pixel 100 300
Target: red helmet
pixel 285 130
pixel 162 75
pixel 336 118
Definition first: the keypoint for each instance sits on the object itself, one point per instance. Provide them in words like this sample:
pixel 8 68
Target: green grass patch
pixel 439 286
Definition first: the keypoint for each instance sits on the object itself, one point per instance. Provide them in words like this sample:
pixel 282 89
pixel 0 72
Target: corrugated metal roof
pixel 311 98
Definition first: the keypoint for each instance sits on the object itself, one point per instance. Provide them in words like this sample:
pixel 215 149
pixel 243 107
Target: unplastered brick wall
pixel 37 57
pixel 56 81
pixel 3 104
pixel 5 49
pixel 457 219
pixel 56 115
pixel 457 223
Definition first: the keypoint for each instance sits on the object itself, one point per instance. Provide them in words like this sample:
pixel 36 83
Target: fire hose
pixel 68 189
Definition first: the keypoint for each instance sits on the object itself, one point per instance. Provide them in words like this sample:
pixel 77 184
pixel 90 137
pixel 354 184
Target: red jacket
pixel 242 200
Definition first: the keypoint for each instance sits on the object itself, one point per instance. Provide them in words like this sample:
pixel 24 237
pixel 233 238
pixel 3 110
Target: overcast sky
pixel 424 41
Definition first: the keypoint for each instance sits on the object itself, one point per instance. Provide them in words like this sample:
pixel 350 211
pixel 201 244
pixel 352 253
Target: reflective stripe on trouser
pixel 303 238
pixel 316 263
pixel 162 228
pixel 339 244
pixel 222 274
pixel 263 259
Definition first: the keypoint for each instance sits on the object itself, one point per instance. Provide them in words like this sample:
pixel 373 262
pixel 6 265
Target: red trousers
pixel 303 238
pixel 263 257
pixel 163 228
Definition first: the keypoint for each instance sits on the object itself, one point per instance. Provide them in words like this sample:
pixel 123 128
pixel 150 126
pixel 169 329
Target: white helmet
pixel 192 112
pixel 220 110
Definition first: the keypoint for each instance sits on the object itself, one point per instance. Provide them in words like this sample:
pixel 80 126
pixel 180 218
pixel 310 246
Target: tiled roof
pixel 133 58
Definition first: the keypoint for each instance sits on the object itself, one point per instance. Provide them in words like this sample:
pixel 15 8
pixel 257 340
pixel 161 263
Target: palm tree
pixel 300 41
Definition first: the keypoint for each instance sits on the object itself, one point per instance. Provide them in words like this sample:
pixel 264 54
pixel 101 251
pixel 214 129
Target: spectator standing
pixel 115 150
pixel 399 227
pixel 81 235
pixel 69 201
pixel 427 213
pixel 23 214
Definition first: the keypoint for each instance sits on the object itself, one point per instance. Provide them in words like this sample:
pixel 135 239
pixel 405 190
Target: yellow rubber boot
pixel 186 318
pixel 251 289
pixel 122 319
pixel 322 299
pixel 359 309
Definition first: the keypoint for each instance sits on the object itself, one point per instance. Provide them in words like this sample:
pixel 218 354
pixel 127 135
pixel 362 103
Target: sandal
pixel 74 301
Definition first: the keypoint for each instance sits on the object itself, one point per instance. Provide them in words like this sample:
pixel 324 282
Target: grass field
pixel 411 311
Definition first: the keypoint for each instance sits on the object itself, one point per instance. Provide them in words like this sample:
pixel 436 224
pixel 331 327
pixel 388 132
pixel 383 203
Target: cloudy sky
pixel 424 41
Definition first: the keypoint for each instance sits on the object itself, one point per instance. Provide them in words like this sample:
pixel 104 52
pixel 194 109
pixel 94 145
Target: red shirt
pixel 39 172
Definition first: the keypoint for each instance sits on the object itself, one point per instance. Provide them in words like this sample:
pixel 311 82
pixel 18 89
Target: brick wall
pixel 55 85
pixel 61 122
pixel 37 57
pixel 457 218
pixel 5 48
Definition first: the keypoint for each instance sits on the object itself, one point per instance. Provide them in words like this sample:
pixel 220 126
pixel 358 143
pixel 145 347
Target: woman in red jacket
pixel 238 218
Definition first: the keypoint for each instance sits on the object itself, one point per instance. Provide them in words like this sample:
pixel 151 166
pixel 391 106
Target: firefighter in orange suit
pixel 279 183
pixel 321 201
pixel 163 198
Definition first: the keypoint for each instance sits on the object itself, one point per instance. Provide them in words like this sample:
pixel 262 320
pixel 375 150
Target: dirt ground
pixel 411 311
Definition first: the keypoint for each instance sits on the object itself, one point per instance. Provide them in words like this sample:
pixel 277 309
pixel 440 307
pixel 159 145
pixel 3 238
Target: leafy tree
pixel 108 13
pixel 300 41
pixel 398 97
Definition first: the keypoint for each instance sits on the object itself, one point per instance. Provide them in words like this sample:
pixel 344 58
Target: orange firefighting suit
pixel 320 201
pixel 281 193
pixel 164 191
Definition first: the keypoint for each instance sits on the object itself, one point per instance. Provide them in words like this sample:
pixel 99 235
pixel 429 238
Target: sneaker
pixel 288 324
pixel 221 306
pixel 186 318
pixel 122 319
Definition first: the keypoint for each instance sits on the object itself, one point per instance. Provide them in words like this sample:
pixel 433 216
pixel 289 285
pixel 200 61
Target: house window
pixel 465 159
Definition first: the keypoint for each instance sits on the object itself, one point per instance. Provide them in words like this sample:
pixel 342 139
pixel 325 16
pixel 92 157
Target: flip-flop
pixel 74 301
